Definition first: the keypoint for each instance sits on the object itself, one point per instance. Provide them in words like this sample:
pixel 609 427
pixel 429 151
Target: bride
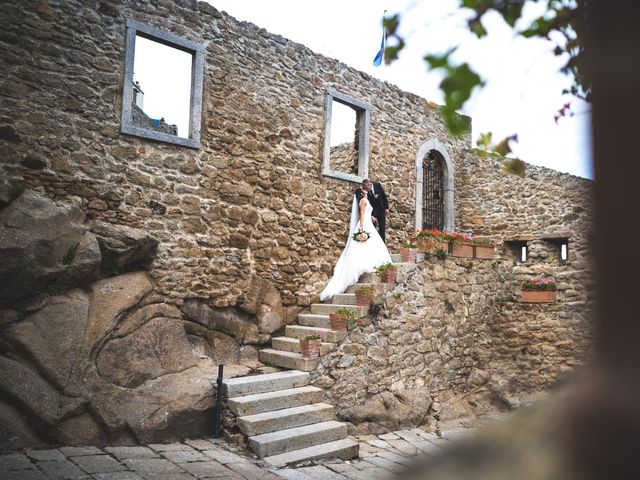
pixel 357 257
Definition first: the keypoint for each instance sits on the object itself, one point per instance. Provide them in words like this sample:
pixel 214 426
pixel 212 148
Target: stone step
pixel 300 331
pixel 289 344
pixel 396 259
pixel 268 401
pixel 369 278
pixel 273 443
pixel 284 359
pixel 268 382
pixel 327 308
pixel 380 287
pixel 267 422
pixel 344 299
pixel 314 320
pixel 344 449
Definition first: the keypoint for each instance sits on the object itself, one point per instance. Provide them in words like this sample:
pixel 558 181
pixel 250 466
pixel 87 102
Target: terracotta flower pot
pixel 431 245
pixel 485 252
pixel 363 299
pixel 338 322
pixel 310 348
pixel 462 249
pixel 389 276
pixel 408 255
pixel 538 296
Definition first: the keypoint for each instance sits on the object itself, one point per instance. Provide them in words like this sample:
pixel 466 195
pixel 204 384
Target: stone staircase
pixel 282 415
pixel 285 419
pixel 285 350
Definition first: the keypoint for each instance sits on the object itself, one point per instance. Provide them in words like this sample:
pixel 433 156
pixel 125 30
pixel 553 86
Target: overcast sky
pixel 523 89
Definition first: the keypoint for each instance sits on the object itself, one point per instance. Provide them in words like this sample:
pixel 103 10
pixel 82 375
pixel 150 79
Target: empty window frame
pixel 346 137
pixel 564 250
pixel 168 68
pixel 519 249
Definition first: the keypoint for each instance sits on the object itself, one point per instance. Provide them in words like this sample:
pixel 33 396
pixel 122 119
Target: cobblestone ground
pixel 381 457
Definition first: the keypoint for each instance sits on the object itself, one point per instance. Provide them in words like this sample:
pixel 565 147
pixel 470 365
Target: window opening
pixel 162 96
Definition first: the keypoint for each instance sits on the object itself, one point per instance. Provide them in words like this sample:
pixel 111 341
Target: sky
pixel 523 83
pixel 164 76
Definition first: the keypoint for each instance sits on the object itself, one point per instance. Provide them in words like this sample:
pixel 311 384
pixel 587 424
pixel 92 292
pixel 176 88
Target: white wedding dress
pixel 357 257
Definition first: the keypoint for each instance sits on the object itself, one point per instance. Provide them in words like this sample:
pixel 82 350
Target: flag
pixel 380 55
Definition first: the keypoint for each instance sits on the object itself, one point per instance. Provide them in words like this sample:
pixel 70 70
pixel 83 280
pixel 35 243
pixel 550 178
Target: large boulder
pixel 34 393
pixel 113 364
pixel 389 411
pixel 231 321
pixel 44 244
pixel 262 299
pixel 157 348
pixel 53 335
pixel 124 248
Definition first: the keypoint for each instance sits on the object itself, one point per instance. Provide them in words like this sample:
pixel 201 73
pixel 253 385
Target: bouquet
pixel 361 236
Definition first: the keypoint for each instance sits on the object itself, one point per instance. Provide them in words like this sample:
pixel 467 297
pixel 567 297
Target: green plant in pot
pixel 342 319
pixel 364 295
pixel 408 252
pixel 387 272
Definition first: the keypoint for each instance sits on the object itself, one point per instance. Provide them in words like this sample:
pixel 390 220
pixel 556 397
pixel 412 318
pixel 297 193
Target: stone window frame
pixel 516 246
pixel 363 112
pixel 197 50
pixel 557 242
pixel 449 186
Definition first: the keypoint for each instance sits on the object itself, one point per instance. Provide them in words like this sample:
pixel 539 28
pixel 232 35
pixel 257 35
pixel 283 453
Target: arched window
pixel 434 188
pixel 432 191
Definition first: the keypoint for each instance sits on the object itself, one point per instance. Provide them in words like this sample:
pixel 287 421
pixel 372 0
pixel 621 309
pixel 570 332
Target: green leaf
pixel 475 25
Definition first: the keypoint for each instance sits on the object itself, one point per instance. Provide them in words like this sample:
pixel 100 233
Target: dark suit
pixel 379 202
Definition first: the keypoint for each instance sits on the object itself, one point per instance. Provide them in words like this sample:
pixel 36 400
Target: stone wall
pixel 251 202
pixel 452 341
pixel 246 227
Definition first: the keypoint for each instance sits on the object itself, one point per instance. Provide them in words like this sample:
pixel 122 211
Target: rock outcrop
pixel 44 245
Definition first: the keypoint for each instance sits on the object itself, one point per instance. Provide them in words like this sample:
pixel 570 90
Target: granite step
pixel 268 382
pixel 273 443
pixel 380 287
pixel 287 418
pixel 344 299
pixel 289 344
pixel 284 359
pixel 327 308
pixel 314 320
pixel 300 331
pixel 344 449
pixel 278 400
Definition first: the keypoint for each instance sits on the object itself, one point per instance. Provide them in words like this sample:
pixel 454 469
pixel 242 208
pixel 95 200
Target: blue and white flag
pixel 380 55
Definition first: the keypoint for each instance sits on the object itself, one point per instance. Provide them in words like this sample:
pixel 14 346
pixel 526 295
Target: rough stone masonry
pixel 239 235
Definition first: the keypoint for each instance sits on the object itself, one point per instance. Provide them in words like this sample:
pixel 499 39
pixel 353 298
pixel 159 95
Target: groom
pixel 378 200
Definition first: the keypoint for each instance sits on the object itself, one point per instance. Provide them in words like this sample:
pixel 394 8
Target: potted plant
pixel 387 272
pixel 432 241
pixel 364 295
pixel 484 249
pixel 539 290
pixel 408 252
pixel 310 345
pixel 341 318
pixel 461 245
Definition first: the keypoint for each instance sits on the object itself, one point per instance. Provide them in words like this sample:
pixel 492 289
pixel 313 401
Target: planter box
pixel 338 322
pixel 310 348
pixel 538 296
pixel 464 250
pixel 408 255
pixel 484 252
pixel 431 245
pixel 389 276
